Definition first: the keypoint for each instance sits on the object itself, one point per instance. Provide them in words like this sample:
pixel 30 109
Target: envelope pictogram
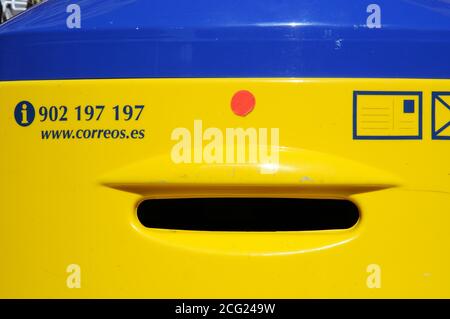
pixel 440 121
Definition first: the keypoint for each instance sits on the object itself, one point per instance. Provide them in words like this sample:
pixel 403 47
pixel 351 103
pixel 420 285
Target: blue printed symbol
pixel 440 111
pixel 387 115
pixel 24 113
pixel 408 106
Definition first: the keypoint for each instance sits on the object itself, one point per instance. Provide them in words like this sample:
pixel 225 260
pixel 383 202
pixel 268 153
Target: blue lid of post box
pixel 227 38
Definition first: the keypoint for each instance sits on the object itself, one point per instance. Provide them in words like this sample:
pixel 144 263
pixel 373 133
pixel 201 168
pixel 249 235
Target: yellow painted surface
pixel 73 201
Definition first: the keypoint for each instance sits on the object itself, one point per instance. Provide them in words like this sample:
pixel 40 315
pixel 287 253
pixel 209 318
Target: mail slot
pixel 248 214
pixel 225 149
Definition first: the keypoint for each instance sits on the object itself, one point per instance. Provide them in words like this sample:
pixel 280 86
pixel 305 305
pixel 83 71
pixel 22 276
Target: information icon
pixel 24 113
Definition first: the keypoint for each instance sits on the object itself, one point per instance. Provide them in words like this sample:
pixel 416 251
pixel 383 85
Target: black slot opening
pixel 248 214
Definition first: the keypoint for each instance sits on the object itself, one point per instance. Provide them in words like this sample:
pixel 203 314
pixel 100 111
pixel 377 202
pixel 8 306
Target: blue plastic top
pixel 228 38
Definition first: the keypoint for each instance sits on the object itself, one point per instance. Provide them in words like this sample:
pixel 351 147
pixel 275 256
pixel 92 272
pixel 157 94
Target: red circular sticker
pixel 242 103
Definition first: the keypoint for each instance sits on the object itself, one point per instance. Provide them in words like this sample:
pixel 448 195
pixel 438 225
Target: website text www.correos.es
pixel 119 134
